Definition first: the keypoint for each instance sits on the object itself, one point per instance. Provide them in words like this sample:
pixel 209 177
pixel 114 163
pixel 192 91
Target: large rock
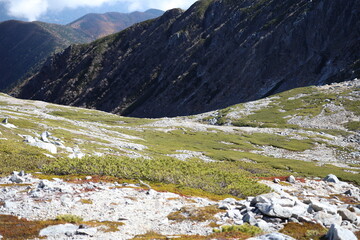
pixel 273 236
pixel 338 233
pixel 265 198
pixel 234 214
pixel 291 179
pixel 327 219
pixel 318 206
pixel 15 178
pixel 263 225
pixel 331 178
pixel 47 146
pixel 59 230
pixel 274 210
pixel 347 215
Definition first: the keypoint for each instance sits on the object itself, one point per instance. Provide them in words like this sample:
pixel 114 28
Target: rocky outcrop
pixel 272 211
pixel 215 54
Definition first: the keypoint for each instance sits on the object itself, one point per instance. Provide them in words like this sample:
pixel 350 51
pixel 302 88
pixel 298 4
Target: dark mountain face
pixel 215 54
pixel 23 45
pixel 100 25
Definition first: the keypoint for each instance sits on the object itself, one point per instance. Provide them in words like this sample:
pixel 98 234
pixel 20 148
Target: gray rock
pixel 291 179
pixel 318 206
pixel 274 210
pixel 263 225
pixel 349 192
pixel 45 184
pixel 10 205
pixel 331 178
pixel 44 145
pixel 347 215
pixel 86 231
pixel 59 230
pixel 44 136
pixel 230 201
pixel 22 173
pixel 273 236
pixel 224 206
pixel 276 180
pixel 284 202
pixel 327 219
pixel 265 198
pixel 249 218
pixel 338 233
pixel 234 214
pixel 15 178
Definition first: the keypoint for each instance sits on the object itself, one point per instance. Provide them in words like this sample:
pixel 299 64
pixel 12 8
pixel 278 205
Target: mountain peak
pixel 215 54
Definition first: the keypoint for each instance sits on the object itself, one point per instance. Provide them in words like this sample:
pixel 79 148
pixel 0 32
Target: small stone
pixel 233 214
pixel 349 192
pixel 276 180
pixel 272 236
pixel 44 136
pixel 86 231
pixel 263 225
pixel 225 206
pixel 331 178
pixel 22 173
pixel 291 179
pixel 338 233
pixel 230 201
pixel 88 177
pixel 5 121
pixel 249 218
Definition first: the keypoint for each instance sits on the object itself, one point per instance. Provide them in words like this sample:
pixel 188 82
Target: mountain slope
pixel 215 54
pixel 23 45
pixel 100 25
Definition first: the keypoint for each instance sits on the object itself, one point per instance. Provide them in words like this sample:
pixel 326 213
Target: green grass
pixel 245 228
pixel 218 177
pixel 15 155
pixel 280 141
pixel 353 126
pixel 69 218
pixel 96 116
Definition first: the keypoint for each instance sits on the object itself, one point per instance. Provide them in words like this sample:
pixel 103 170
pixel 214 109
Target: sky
pixel 34 9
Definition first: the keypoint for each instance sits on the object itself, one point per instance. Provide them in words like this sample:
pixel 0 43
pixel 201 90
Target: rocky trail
pixel 136 209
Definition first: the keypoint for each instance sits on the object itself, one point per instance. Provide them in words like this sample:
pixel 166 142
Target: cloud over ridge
pixel 33 9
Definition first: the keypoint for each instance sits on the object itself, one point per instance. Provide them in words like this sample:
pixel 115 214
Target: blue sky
pixel 34 9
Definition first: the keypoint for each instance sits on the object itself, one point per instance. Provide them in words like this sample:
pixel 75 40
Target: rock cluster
pixel 312 201
pixel 329 202
pixel 138 208
pixel 50 143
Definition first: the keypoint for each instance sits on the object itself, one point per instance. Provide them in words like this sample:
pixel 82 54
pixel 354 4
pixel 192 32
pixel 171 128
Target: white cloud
pixel 33 9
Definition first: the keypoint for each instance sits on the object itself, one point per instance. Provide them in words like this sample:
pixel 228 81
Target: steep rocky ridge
pixel 215 54
pixel 23 45
pixel 100 25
